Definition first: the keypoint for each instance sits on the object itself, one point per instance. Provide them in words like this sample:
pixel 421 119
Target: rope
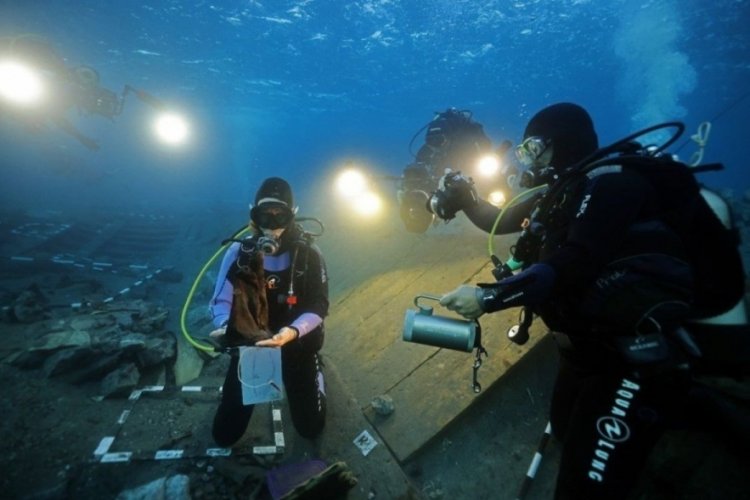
pixel 701 138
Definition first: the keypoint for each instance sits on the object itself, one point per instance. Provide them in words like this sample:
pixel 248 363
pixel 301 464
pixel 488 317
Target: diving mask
pixel 276 217
pixel 531 149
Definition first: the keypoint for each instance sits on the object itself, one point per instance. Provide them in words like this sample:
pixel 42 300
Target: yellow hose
pixel 490 245
pixel 189 299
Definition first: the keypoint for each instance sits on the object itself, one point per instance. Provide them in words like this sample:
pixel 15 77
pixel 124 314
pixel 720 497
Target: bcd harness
pixel 248 251
pixel 716 263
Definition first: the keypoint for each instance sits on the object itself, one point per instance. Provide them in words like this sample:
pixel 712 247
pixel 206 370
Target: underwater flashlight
pixel 496 198
pixel 171 128
pixel 368 204
pixel 488 165
pixel 20 84
pixel 351 183
pixel 423 327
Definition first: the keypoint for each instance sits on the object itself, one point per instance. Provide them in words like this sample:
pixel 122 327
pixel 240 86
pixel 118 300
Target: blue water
pixel 294 88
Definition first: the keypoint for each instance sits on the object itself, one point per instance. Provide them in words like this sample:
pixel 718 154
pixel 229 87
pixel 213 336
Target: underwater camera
pixel 421 326
pixel 455 192
pixel 414 212
pixel 413 197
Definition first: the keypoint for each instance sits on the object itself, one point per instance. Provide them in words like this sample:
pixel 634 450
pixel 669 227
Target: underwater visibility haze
pixel 296 87
pixel 300 89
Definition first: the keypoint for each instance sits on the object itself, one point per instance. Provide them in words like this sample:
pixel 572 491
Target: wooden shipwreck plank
pixel 441 389
pixel 375 276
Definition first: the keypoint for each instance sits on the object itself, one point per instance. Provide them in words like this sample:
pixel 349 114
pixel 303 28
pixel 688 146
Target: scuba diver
pixel 453 140
pixel 90 97
pixel 69 88
pixel 35 52
pixel 296 302
pixel 626 263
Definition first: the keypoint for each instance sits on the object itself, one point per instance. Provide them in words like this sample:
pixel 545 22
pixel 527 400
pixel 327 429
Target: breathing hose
pixel 189 299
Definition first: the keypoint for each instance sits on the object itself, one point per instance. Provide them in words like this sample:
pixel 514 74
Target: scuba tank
pixel 737 315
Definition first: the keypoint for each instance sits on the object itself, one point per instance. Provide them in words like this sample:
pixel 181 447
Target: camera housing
pixel 456 191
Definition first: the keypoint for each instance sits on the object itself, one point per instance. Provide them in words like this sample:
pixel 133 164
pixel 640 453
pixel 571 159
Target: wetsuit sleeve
pixel 608 205
pixel 314 307
pixel 483 215
pixel 221 301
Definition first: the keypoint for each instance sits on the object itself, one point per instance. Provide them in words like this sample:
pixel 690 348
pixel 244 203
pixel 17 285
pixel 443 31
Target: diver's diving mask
pixel 275 217
pixel 531 149
pixel 531 155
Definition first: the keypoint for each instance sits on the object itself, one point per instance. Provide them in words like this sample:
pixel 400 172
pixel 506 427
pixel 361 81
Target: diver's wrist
pixel 295 330
pixel 487 298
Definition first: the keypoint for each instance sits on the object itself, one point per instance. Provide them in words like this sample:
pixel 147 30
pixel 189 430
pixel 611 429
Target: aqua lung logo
pixel 612 429
pixel 584 206
pixel 642 343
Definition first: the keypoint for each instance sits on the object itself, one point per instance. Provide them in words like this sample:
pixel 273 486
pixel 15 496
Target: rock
pixel 383 405
pixel 157 351
pixel 120 382
pixel 102 364
pixel 198 318
pixel 27 360
pixel 165 488
pixel 151 321
pixel 89 323
pixel 108 339
pixel 124 319
pixel 188 365
pixel 57 340
pixel 29 306
pixel 433 491
pixel 67 360
pixel 132 343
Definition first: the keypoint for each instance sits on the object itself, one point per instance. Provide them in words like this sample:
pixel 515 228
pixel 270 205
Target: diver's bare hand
pixel 284 336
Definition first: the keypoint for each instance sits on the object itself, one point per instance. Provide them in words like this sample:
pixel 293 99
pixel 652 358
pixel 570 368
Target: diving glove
pixel 465 300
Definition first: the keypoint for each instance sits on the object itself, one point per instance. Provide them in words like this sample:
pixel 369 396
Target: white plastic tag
pixel 259 371
pixel 365 442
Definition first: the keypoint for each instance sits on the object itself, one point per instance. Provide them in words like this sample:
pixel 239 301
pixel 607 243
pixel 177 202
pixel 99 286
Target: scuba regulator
pixel 265 246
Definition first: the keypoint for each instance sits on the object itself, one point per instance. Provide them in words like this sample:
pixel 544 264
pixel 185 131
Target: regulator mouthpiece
pixel 267 245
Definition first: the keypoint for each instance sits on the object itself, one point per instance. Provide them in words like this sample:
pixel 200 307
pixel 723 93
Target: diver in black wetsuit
pixel 611 280
pixel 453 140
pixel 297 293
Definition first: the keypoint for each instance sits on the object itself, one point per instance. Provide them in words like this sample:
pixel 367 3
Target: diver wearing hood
pixel 452 140
pixel 296 289
pixel 612 281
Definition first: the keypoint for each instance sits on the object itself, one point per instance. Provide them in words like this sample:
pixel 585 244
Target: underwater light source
pixel 351 183
pixel 368 204
pixel 488 165
pixel 171 128
pixel 19 84
pixel 497 198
